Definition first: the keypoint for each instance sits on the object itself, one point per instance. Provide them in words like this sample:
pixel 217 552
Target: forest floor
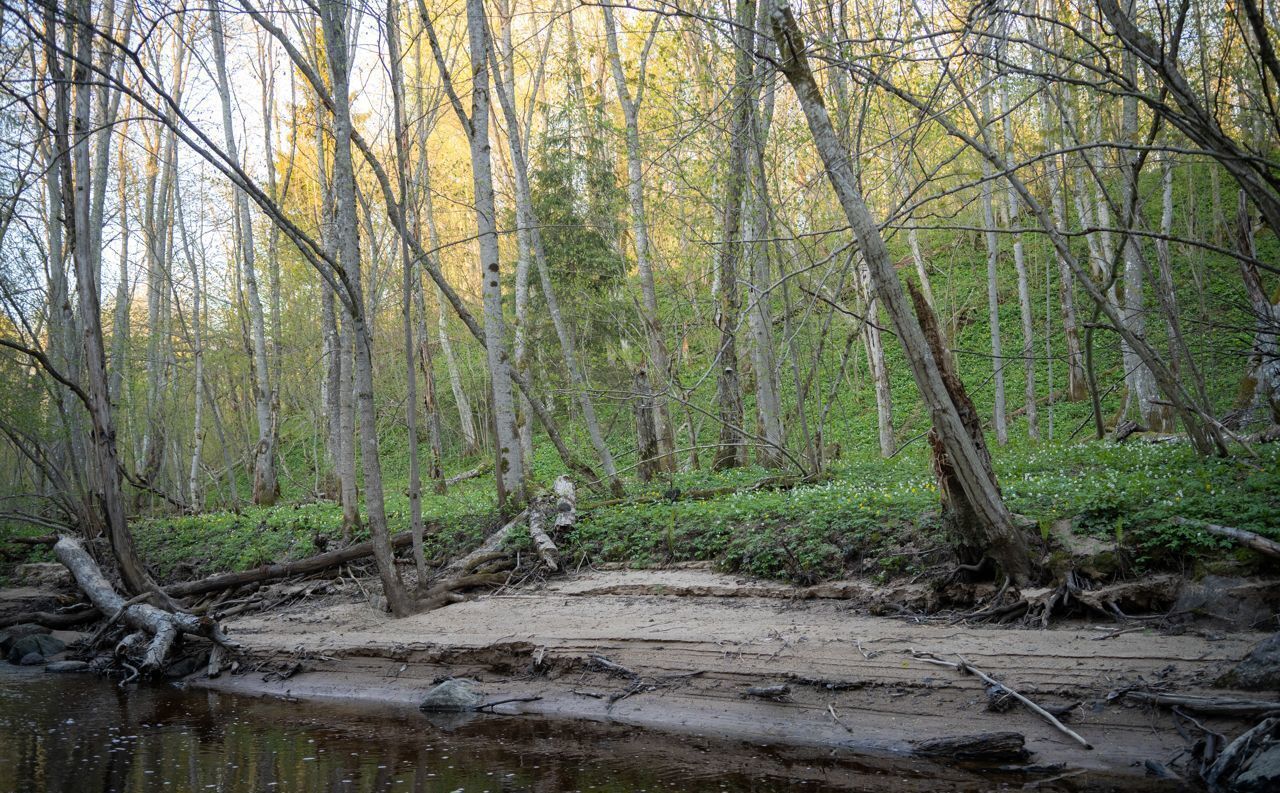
pixel 679 649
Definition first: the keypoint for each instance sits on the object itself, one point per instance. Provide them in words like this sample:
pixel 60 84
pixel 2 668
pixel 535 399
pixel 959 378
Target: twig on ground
pixel 967 668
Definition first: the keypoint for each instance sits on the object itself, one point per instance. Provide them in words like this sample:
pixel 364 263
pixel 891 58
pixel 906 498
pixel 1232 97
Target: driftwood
pixel 985 747
pixel 144 619
pixel 1217 706
pixel 566 502
pixel 487 548
pixel 964 667
pixel 446 592
pixel 776 693
pixel 546 548
pixel 460 573
pixel 1248 539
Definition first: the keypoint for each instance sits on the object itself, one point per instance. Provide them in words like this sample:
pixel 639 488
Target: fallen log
pixel 1246 538
pixel 446 592
pixel 769 483
pixel 44 539
pixel 270 572
pixel 1217 706
pixel 487 548
pixel 987 747
pixel 546 548
pixel 58 620
pixel 163 627
pixel 479 470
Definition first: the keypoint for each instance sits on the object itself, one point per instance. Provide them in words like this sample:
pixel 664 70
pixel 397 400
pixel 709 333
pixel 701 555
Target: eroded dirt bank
pixel 697 641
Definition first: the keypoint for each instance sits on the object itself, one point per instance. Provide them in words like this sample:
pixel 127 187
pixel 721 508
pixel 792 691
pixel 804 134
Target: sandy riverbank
pixel 697 641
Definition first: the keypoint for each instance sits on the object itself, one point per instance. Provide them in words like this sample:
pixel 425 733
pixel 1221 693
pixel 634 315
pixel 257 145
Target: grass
pixel 872 517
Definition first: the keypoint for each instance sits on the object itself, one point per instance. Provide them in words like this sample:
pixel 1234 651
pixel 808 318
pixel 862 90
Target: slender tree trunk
pixel 527 219
pixel 333 15
pixel 509 465
pixel 759 283
pixel 75 172
pixel 731 450
pixel 1050 133
pixel 1141 383
pixel 1024 285
pixel 408 287
pixel 999 420
pixel 466 419
pixel 266 487
pixel 659 358
pixel 993 528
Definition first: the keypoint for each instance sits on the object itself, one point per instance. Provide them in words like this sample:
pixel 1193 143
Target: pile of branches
pixel 148 634
pixel 491 564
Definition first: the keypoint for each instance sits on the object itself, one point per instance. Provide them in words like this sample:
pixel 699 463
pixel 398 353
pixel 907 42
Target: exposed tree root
pixel 146 649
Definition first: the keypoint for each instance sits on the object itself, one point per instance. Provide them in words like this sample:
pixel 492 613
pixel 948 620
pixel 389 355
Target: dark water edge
pixel 80 733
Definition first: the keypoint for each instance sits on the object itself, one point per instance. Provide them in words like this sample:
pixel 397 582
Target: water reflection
pixel 76 733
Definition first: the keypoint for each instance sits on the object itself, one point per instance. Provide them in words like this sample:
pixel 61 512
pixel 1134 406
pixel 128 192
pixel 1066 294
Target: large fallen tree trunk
pixel 270 572
pixel 146 620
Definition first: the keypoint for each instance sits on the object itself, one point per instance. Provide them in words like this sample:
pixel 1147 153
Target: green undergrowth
pixel 872 517
pixel 881 517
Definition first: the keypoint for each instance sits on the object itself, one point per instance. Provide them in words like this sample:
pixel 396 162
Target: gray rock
pixel 14 632
pixel 451 696
pixel 68 666
pixel 41 644
pixel 1260 669
pixel 31 659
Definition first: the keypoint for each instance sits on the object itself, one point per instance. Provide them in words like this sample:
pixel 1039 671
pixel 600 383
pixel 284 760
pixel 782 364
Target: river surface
pixel 80 733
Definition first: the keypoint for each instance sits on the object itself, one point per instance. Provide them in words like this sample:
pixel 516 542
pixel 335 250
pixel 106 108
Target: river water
pixel 79 733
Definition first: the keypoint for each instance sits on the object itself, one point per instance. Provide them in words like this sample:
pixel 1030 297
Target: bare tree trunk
pixel 333 17
pixel 1141 383
pixel 759 283
pixel 509 465
pixel 1260 388
pixel 266 487
pixel 527 219
pixel 75 179
pixel 994 529
pixel 1024 286
pixel 466 419
pixel 339 395
pixel 659 358
pixel 999 419
pixel 647 454
pixel 408 287
pixel 902 177
pixel 876 362
pixel 731 450
pixel 1050 134
pixel 194 494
